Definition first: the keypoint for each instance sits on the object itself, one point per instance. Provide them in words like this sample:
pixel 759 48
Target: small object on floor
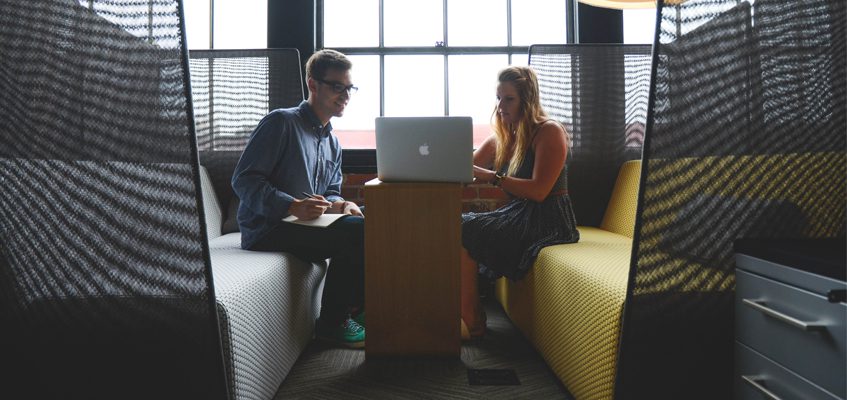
pixel 346 334
pixel 492 377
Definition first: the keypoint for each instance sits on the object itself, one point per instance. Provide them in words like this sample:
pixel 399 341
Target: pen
pixel 311 196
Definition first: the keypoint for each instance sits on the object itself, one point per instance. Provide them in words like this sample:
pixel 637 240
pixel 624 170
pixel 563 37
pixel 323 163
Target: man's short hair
pixel 324 60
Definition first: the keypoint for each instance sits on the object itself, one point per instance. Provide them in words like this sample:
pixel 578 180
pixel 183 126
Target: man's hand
pixel 309 208
pixel 346 207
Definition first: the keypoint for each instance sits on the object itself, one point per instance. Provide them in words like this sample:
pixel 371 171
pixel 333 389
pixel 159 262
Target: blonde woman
pixel 525 156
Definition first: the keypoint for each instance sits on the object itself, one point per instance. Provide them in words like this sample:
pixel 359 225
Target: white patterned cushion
pixel 267 306
pixel 230 241
pixel 211 207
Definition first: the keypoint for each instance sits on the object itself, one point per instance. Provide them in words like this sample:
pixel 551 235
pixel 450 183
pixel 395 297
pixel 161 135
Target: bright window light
pixel 241 24
pixel 197 24
pixel 639 26
pixel 413 23
pixel 413 81
pixel 341 15
pixel 539 22
pixel 473 85
pixel 473 88
pixel 414 85
pixel 476 23
pixel 355 128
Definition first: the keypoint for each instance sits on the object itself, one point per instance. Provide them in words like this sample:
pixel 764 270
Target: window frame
pixel 444 49
pixel 364 160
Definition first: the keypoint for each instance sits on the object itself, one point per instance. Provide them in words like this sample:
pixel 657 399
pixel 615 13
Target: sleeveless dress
pixel 506 241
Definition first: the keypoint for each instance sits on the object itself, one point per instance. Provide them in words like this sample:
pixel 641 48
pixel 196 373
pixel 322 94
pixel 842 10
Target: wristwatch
pixel 498 177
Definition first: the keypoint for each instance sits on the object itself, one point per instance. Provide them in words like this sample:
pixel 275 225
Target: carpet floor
pixel 324 372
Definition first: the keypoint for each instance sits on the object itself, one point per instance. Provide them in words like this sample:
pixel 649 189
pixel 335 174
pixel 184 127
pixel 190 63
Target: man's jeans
pixel 344 243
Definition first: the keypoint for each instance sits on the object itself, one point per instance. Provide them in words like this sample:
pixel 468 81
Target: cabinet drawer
pixel 769 376
pixel 816 353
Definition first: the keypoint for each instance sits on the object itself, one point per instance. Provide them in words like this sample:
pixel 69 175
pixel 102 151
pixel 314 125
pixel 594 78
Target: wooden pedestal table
pixel 412 256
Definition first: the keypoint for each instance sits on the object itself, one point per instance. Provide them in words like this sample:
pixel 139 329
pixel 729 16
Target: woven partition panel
pixel 232 90
pixel 600 93
pixel 105 284
pixel 746 138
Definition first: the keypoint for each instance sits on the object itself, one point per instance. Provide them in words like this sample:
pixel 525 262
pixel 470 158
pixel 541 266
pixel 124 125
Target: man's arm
pixel 250 179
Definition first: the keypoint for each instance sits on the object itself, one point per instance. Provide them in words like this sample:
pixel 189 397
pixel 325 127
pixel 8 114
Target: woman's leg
pixel 472 313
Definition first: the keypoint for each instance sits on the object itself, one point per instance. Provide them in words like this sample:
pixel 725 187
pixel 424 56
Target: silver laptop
pixel 424 149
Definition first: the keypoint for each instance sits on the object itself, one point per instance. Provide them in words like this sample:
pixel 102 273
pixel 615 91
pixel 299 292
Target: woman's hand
pixel 309 208
pixel 482 175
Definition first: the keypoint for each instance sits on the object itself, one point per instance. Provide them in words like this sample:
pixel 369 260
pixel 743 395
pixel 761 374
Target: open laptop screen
pixel 424 149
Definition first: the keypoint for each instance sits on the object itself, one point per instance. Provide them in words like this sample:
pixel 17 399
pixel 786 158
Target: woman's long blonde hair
pixel 531 116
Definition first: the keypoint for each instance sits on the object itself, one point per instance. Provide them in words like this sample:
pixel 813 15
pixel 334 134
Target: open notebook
pixel 323 221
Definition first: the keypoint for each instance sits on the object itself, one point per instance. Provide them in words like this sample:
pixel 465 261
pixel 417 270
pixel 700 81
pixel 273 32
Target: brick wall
pixel 351 187
pixel 475 197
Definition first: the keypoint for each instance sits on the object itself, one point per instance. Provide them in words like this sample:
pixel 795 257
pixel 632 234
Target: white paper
pixel 320 222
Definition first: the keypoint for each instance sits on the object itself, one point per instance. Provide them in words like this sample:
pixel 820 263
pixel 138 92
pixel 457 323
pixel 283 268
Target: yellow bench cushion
pixel 569 306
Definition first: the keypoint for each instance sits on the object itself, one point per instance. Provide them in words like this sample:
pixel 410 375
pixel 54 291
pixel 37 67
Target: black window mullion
pixel 319 25
pixel 446 44
pixel 211 24
pixel 212 134
pixel 365 158
pixel 150 21
pixel 509 28
pixel 432 50
pixel 439 49
pixel 572 19
pixel 382 85
pixel 380 48
pixel 446 86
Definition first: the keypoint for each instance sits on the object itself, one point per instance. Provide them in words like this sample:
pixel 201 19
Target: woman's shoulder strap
pixel 538 128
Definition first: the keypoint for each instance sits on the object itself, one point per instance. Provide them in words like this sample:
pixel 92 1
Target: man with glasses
pixel 292 167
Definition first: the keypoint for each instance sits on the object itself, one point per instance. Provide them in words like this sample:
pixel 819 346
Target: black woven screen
pixel 232 91
pixel 746 139
pixel 105 282
pixel 600 93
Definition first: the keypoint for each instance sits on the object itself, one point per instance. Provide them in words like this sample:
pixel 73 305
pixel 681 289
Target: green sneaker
pixel 347 334
pixel 360 319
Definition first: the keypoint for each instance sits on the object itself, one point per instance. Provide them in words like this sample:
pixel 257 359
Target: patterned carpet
pixel 323 372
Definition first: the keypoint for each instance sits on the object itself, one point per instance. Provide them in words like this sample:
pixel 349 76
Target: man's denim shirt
pixel 289 152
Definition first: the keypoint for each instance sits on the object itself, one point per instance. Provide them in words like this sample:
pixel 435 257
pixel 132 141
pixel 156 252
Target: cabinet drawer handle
pixel 754 382
pixel 806 326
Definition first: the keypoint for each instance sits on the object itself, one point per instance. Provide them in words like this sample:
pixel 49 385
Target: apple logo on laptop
pixel 424 149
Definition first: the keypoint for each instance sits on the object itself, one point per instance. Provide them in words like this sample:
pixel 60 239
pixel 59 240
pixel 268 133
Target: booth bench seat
pixel 267 305
pixel 570 305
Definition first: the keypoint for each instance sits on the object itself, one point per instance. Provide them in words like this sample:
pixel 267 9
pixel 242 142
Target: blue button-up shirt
pixel 289 152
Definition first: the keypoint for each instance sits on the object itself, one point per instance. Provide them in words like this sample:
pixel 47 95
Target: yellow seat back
pixel 620 213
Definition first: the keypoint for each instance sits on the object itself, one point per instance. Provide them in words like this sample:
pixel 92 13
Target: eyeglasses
pixel 338 87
